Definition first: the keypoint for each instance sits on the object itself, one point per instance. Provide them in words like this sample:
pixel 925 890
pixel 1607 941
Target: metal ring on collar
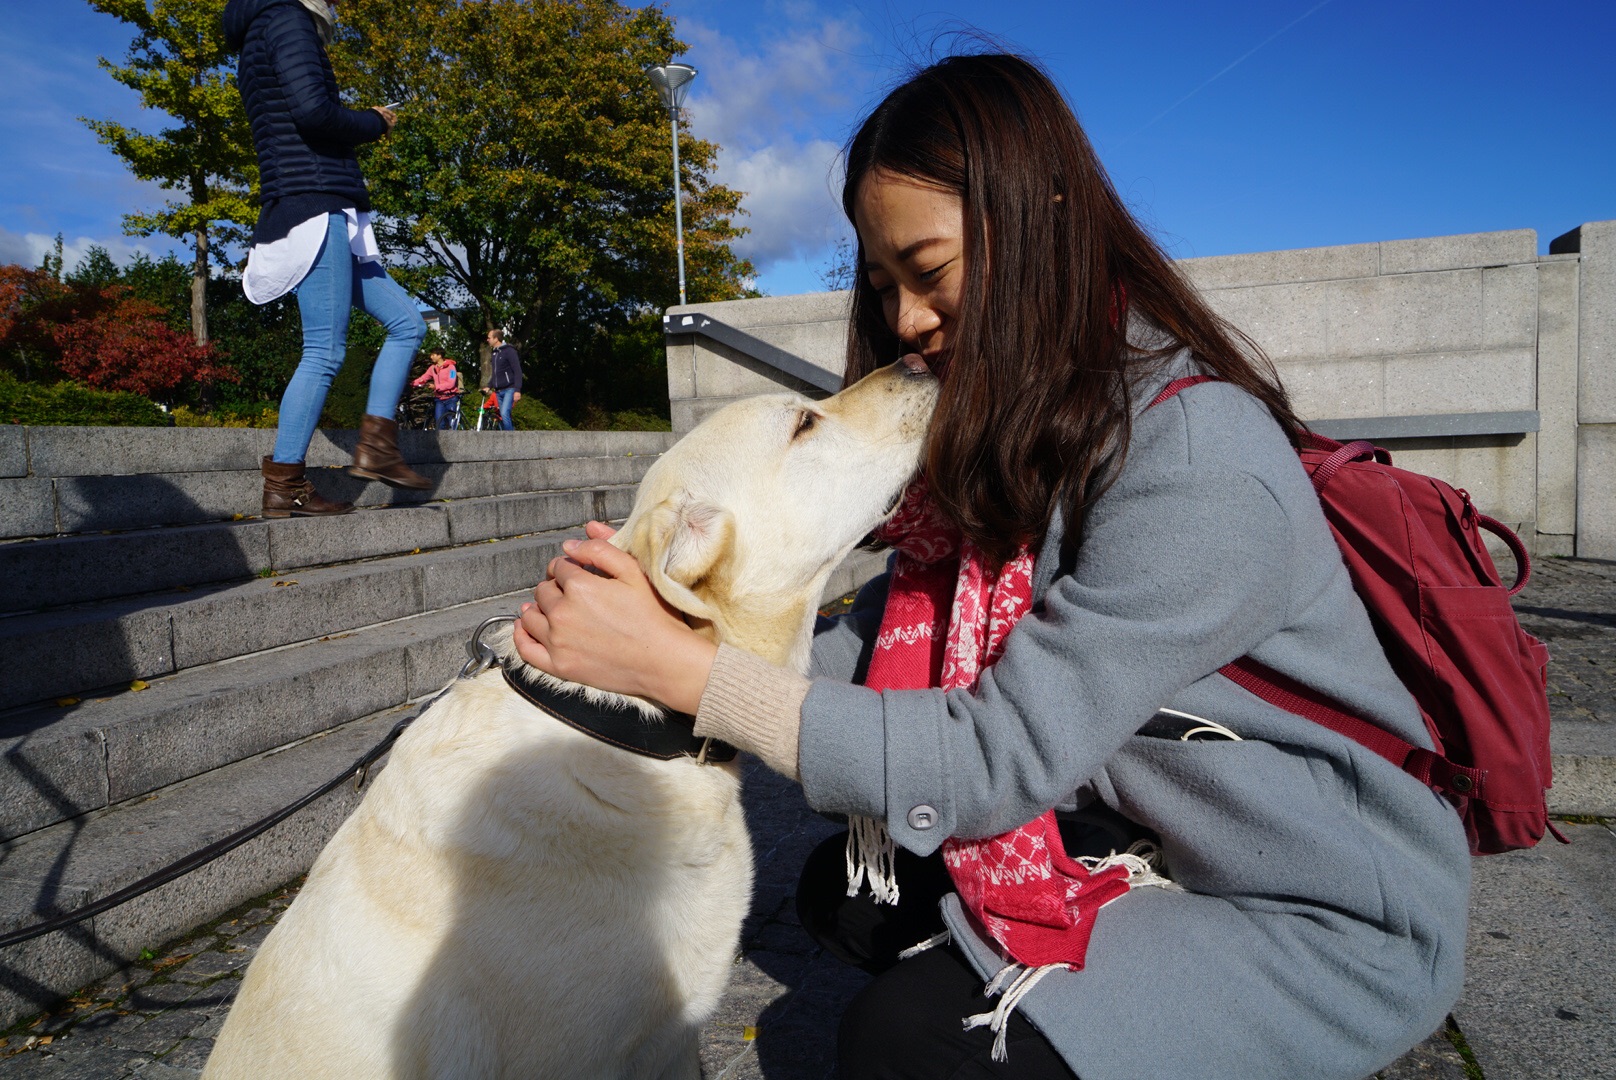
pixel 480 655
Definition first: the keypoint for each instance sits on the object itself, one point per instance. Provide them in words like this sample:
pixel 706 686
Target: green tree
pixel 528 176
pixel 178 64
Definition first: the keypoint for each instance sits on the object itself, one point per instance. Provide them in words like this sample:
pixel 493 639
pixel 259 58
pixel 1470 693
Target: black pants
pixel 906 1025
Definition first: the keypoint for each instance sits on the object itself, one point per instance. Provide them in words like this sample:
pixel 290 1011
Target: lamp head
pixel 672 82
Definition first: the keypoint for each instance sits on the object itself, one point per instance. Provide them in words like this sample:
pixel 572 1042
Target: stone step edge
pixel 107 751
pixel 92 649
pixel 85 505
pixel 48 452
pixel 1583 754
pixel 169 824
pixel 48 572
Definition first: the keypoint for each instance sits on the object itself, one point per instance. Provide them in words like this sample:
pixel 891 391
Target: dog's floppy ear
pixel 680 542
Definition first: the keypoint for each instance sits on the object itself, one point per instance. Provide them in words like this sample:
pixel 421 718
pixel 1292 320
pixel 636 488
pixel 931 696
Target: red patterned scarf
pixel 946 619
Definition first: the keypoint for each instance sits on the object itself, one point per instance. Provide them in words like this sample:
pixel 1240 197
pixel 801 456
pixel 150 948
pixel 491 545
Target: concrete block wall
pixel 1422 327
pixel 704 375
pixel 1471 325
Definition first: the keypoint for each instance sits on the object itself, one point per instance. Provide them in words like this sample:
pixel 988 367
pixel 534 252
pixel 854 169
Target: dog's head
pixel 741 522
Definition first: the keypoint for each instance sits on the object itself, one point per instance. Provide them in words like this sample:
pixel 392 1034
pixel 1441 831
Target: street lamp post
pixel 673 83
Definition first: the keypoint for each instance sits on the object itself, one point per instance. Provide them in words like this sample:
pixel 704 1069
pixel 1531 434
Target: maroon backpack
pixel 1414 549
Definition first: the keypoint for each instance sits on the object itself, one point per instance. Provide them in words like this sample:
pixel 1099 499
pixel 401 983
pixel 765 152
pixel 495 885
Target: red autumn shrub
pixel 122 343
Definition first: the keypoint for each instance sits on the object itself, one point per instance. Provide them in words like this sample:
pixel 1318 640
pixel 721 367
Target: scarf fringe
pixel 1144 861
pixel 930 943
pixel 871 855
pixel 1020 982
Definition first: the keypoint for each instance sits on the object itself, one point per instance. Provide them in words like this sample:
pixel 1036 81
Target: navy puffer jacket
pixel 304 135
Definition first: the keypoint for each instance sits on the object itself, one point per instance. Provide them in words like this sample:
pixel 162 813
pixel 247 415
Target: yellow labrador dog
pixel 516 898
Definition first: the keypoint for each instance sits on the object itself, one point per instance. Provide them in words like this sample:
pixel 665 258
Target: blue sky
pixel 1228 127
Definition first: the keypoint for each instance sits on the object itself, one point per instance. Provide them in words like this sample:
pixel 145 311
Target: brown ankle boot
pixel 377 457
pixel 288 493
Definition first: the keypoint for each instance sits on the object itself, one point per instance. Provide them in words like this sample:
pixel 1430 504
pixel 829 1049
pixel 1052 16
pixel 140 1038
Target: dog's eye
pixel 804 423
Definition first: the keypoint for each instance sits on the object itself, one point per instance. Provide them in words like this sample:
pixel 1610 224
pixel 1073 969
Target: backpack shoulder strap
pixel 1284 692
pixel 1172 389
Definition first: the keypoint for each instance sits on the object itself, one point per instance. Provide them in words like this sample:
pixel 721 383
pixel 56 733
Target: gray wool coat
pixel 1323 927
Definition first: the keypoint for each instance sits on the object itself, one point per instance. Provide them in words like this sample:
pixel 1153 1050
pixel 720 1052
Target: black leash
pixel 482 657
pixel 207 854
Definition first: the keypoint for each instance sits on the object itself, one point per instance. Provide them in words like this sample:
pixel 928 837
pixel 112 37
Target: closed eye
pixel 805 423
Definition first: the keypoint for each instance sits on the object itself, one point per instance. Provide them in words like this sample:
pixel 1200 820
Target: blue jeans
pixel 507 398
pixel 335 285
pixel 443 417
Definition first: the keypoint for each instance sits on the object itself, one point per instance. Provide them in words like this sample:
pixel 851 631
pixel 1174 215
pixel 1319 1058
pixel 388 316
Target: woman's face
pixel 914 255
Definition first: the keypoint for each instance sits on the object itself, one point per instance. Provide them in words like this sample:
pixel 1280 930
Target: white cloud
pixel 779 110
pixel 29 249
pixel 793 200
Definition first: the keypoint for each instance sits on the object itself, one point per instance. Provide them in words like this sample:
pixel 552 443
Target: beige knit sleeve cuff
pixel 752 704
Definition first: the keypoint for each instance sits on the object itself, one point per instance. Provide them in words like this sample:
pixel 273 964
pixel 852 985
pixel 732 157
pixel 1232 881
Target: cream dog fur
pixel 515 899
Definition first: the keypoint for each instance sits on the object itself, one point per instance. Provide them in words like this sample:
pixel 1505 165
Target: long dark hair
pixel 1036 406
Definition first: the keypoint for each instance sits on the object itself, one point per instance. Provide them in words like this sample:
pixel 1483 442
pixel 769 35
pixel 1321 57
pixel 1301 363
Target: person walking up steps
pixel 314 238
pixel 506 380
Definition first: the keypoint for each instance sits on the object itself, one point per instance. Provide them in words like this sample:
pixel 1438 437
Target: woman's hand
pixel 387 114
pixel 597 620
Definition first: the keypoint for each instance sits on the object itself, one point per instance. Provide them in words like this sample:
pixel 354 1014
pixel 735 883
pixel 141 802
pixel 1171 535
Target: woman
pixel 1314 921
pixel 314 236
pixel 446 389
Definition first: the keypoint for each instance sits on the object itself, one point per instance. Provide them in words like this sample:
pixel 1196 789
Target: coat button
pixel 922 817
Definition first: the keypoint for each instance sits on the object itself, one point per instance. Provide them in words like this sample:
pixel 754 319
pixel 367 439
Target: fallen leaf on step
pixel 238 517
pixel 283 584
pixel 64 702
pixel 417 551
pixel 139 685
pixel 748 1034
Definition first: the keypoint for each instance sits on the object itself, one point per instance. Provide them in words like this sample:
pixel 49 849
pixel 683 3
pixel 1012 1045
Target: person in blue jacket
pixel 1273 900
pixel 314 237
pixel 505 379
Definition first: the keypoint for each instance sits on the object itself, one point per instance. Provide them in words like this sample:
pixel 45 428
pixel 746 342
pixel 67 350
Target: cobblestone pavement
pixel 157 1019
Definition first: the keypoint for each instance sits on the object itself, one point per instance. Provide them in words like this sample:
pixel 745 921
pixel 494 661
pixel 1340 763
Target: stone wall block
pixel 74 651
pixel 1335 389
pixel 300 542
pixel 180 729
pixel 88 503
pixel 125 451
pixel 51 766
pixel 1557 398
pixel 458 577
pixel 1405 314
pixel 1288 321
pixel 1499 381
pixel 471 520
pixel 770 310
pixel 1596 321
pixel 723 372
pixel 13 451
pixel 1458 252
pixel 682 368
pixel 1279 267
pixel 1596 491
pixel 1509 306
pixel 267 614
pixel 76 569
pixel 27 508
pixel 520 515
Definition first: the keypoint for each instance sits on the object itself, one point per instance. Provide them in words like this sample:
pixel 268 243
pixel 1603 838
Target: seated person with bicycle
pixel 446 386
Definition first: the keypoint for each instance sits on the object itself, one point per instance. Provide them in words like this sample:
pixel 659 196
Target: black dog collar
pixel 623 728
